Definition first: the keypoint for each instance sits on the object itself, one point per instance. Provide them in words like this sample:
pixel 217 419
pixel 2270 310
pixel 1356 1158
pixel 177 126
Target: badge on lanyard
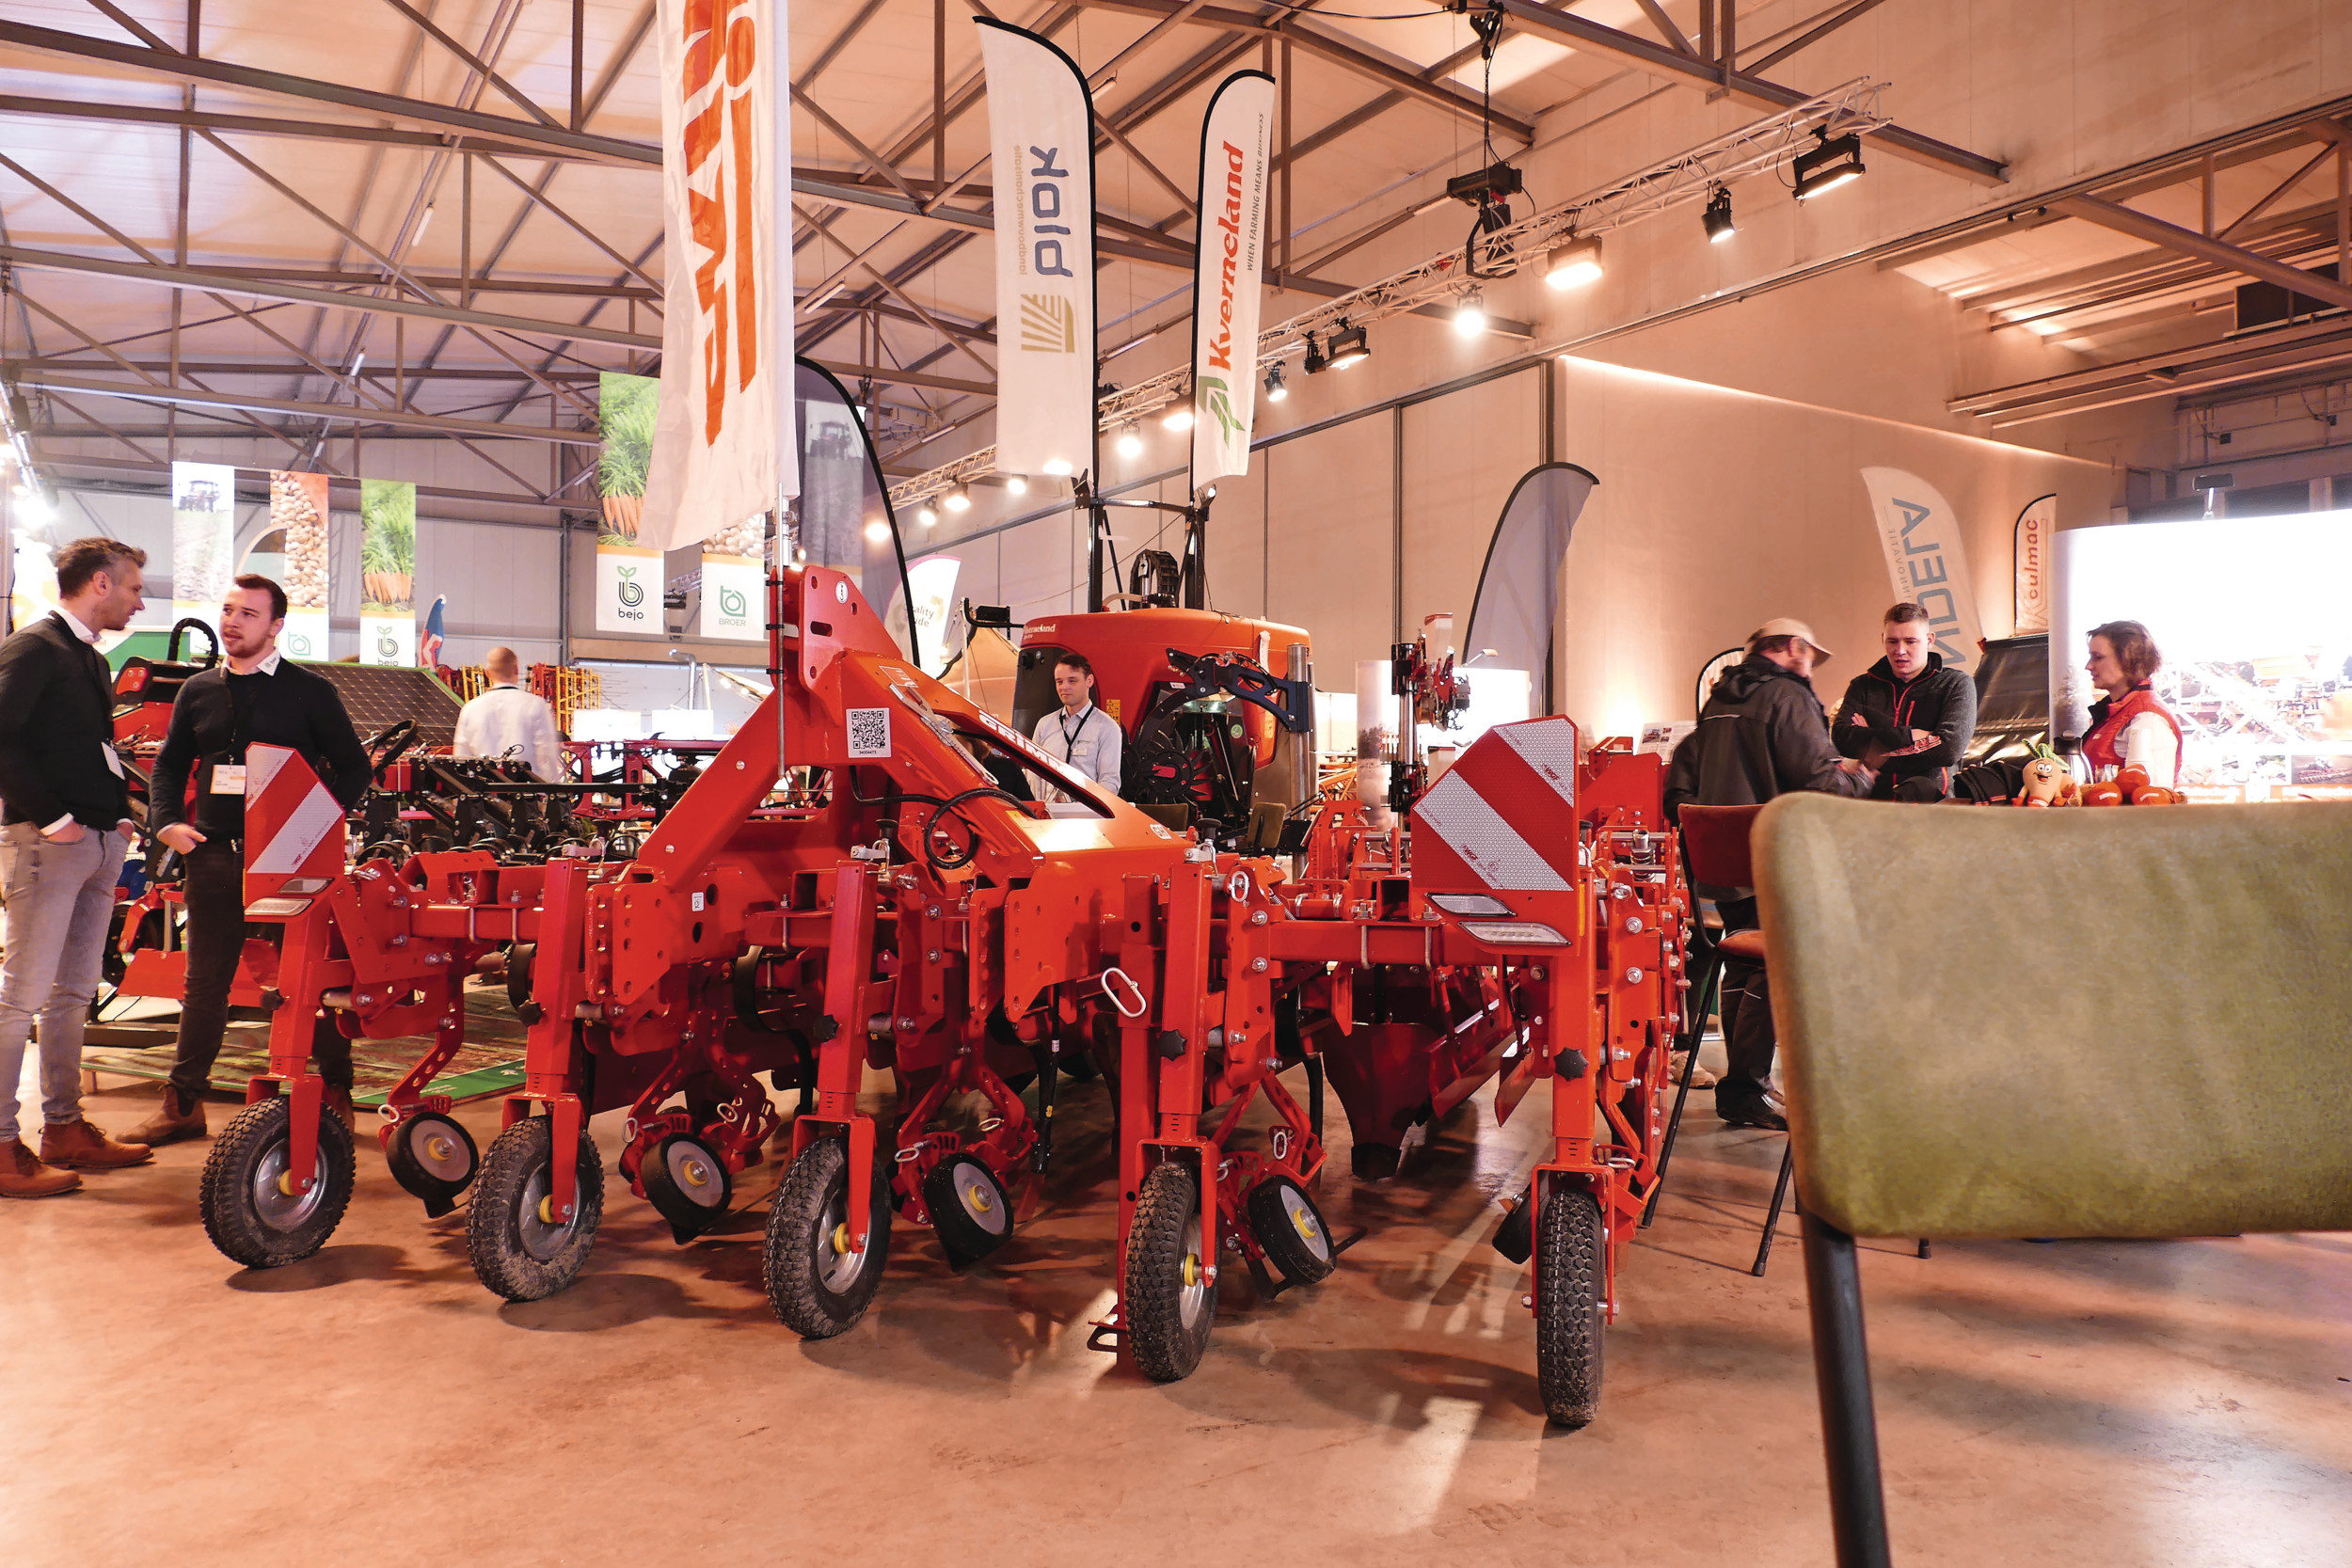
pixel 229 778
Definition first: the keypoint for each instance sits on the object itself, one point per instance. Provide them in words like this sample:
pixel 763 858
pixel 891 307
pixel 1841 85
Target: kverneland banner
pixel 1040 122
pixel 1925 559
pixel 1228 274
pixel 724 447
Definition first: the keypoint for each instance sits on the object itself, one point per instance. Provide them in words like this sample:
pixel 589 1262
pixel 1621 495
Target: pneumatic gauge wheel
pixel 1170 1297
pixel 521 1247
pixel 1289 1228
pixel 257 1211
pixel 818 1281
pixel 969 1208
pixel 1569 1269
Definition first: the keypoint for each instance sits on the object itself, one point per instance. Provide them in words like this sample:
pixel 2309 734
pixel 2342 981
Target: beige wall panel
pixel 1237 541
pixel 1329 552
pixel 1464 453
pixel 1040 569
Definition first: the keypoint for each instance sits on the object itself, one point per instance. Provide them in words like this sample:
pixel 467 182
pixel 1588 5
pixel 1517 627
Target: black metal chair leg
pixel 1771 1221
pixel 1923 1247
pixel 1702 994
pixel 1841 1370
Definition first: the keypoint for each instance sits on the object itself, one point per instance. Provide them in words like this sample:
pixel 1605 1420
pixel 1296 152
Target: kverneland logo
pixel 1229 223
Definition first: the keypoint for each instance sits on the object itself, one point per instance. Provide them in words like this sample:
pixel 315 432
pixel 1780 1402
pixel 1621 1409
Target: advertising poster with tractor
pixel 297 509
pixel 628 575
pixel 203 539
pixel 388 572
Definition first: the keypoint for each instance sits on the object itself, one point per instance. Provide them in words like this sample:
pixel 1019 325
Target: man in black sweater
pixel 1911 706
pixel 256 695
pixel 67 815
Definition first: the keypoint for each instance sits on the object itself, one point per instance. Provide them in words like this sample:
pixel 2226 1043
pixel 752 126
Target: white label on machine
pixel 869 733
pixel 229 778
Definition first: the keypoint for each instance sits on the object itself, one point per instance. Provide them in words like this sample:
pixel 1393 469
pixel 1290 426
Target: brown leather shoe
pixel 81 1145
pixel 174 1119
pixel 337 1102
pixel 23 1176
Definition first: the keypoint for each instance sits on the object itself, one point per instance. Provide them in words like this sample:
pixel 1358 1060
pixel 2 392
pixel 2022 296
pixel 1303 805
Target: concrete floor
pixel 2081 1404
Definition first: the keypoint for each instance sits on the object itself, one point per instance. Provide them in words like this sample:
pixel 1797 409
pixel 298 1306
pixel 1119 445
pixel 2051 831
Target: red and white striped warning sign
pixel 294 827
pixel 1504 816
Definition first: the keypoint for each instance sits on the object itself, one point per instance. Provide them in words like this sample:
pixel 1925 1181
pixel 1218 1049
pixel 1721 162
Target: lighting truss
pixel 1760 147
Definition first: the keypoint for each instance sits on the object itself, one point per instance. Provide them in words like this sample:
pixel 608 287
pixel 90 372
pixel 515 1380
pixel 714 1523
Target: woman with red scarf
pixel 2129 728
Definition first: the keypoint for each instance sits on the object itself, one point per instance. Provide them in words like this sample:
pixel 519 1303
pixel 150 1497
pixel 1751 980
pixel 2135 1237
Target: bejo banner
pixel 203 539
pixel 1925 561
pixel 1041 123
pixel 1228 274
pixel 298 508
pixel 388 572
pixel 724 447
pixel 628 573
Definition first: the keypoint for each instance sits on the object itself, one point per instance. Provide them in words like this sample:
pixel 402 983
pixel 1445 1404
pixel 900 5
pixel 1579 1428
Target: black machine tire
pixel 1170 1301
pixel 1515 1237
pixel 1289 1228
pixel 248 1215
pixel 818 1287
pixel 970 1208
pixel 519 957
pixel 1569 1317
pixel 687 1183
pixel 434 1159
pixel 516 1252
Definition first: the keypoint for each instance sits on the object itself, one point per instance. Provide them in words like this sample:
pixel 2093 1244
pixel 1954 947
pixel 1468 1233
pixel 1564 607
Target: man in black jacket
pixel 256 695
pixel 1763 733
pixel 67 816
pixel 1911 707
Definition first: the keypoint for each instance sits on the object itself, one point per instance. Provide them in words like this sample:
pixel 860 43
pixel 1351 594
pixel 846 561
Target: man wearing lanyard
pixel 67 814
pixel 1077 731
pixel 255 695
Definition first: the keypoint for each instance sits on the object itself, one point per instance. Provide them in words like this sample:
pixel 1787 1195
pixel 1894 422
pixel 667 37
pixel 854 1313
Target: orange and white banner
pixel 724 447
pixel 2032 555
pixel 1229 273
pixel 1040 122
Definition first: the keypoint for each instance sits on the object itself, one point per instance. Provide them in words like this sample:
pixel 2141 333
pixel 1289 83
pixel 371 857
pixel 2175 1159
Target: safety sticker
pixel 869 733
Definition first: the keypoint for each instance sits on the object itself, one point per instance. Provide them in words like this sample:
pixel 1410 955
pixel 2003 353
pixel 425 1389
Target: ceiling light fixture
pixel 927 516
pixel 1838 160
pixel 1274 389
pixel 959 498
pixel 1574 264
pixel 1470 316
pixel 1130 444
pixel 1017 483
pixel 1058 468
pixel 878 531
pixel 1719 225
pixel 1178 417
pixel 1348 346
pixel 1316 362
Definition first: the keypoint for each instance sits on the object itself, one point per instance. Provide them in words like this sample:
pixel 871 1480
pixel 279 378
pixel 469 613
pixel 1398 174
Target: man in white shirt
pixel 1079 733
pixel 506 719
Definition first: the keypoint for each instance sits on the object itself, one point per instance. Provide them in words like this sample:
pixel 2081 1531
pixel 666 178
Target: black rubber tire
pixel 531 1264
pixel 1166 1233
pixel 242 1157
pixel 687 1183
pixel 1569 1316
pixel 974 1214
pixel 1289 1228
pixel 811 1299
pixel 433 1158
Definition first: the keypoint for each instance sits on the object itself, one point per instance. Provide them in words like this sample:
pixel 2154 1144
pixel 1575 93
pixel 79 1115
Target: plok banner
pixel 1925 561
pixel 388 572
pixel 297 507
pixel 1228 273
pixel 203 539
pixel 1040 120
pixel 724 446
pixel 2032 557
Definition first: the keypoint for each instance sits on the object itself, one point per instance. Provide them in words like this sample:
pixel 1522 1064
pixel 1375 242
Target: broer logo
pixel 631 593
pixel 1049 325
pixel 732 604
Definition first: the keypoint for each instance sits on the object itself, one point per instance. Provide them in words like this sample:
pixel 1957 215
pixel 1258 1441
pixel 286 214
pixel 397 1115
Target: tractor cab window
pixel 1033 694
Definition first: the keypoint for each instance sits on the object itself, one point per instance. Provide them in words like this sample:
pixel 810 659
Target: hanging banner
pixel 1925 561
pixel 629 589
pixel 1040 122
pixel 627 413
pixel 388 572
pixel 1228 274
pixel 724 447
pixel 1517 608
pixel 931 581
pixel 2032 561
pixel 297 507
pixel 431 640
pixel 203 539
pixel 733 582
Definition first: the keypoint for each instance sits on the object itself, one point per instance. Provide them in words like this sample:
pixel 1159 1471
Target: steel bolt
pixel 906 1023
pixel 1257 917
pixel 931 957
pixel 1633 924
pixel 932 911
pixel 1256 966
pixel 1632 977
pixel 1527 1301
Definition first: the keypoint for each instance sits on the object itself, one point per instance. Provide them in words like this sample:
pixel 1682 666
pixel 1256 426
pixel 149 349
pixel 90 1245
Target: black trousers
pixel 1749 1043
pixel 216 934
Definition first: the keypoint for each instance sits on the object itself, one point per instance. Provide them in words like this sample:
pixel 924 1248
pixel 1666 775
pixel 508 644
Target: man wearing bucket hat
pixel 1762 733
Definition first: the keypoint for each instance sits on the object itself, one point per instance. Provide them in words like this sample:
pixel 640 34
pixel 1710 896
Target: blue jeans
pixel 60 900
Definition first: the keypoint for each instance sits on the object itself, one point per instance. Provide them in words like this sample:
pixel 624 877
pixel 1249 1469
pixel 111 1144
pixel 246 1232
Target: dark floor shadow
pixel 360 1262
pixel 598 1302
pixel 1374 1387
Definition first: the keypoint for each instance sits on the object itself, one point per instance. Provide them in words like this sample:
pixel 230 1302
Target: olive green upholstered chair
pixel 2046 1023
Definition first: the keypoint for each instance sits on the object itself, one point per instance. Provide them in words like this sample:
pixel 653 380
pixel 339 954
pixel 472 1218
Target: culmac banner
pixel 1228 274
pixel 297 506
pixel 724 445
pixel 1041 123
pixel 2031 556
pixel 388 572
pixel 1925 561
pixel 203 539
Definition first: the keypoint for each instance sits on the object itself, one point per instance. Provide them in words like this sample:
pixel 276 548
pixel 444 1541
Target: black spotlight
pixel 1719 224
pixel 1836 162
pixel 1315 364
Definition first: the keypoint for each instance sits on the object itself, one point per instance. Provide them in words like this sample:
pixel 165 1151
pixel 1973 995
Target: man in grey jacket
pixel 1763 733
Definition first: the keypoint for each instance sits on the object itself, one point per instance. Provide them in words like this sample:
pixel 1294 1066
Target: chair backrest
pixel 1715 838
pixel 2064 1023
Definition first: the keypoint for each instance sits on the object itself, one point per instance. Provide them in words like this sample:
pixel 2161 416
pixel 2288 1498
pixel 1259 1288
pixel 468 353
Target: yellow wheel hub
pixel 1304 1225
pixel 438 1148
pixel 980 1200
pixel 1191 1269
pixel 546 1210
pixel 841 1238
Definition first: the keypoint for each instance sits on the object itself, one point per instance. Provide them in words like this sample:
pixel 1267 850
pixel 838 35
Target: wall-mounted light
pixel 1347 346
pixel 1130 444
pixel 1574 264
pixel 1718 220
pixel 1838 160
pixel 1274 389
pixel 1469 314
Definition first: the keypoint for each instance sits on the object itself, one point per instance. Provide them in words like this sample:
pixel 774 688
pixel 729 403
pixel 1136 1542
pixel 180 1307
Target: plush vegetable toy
pixel 2047 780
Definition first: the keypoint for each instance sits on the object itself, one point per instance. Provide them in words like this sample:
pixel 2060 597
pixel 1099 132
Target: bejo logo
pixel 631 592
pixel 386 645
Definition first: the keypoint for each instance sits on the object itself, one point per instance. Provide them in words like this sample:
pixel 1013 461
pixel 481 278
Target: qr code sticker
pixel 869 732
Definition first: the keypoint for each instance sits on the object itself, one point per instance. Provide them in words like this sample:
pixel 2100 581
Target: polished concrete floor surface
pixel 2082 1403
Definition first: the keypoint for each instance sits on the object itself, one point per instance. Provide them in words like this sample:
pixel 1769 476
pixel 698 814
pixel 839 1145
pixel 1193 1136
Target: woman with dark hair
pixel 2129 728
